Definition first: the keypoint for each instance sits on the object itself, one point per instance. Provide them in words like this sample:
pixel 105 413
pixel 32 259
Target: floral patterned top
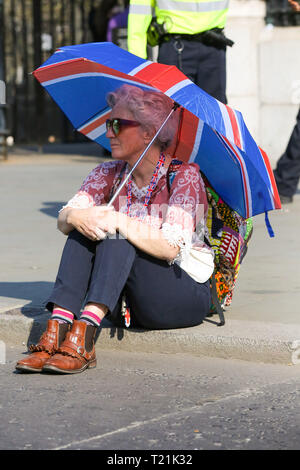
pixel 180 213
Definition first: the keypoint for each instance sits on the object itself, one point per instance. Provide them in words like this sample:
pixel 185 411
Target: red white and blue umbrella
pixel 211 134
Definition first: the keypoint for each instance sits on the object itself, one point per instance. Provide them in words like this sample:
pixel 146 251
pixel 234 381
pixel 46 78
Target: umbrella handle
pixel 175 106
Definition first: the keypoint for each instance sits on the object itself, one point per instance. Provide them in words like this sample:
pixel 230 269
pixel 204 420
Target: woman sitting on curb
pixel 139 246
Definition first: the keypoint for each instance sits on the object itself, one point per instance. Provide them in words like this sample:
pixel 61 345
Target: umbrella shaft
pixel 141 157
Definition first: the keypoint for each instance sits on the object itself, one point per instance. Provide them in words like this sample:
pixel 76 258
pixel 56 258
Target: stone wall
pixel 263 74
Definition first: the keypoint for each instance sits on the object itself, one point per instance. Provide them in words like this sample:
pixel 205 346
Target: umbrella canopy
pixel 211 134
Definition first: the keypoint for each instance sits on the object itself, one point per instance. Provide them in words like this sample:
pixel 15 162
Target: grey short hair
pixel 149 108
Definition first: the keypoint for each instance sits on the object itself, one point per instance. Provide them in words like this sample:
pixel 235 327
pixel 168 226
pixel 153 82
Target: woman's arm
pixel 102 220
pixel 86 221
pixel 145 237
pixel 85 207
pixel 63 223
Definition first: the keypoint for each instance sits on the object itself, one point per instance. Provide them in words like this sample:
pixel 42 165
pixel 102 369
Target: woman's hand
pixel 93 222
pixel 107 221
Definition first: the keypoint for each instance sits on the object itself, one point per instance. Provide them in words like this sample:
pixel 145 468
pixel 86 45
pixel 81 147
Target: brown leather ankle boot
pixel 76 353
pixel 49 342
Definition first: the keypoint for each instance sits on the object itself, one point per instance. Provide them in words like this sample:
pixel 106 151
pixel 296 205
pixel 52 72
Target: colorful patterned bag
pixel 228 236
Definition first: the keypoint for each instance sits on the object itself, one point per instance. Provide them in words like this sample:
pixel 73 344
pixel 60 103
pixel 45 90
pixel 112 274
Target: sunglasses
pixel 117 124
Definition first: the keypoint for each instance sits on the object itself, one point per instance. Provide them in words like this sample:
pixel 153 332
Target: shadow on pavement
pixel 52 207
pixel 37 293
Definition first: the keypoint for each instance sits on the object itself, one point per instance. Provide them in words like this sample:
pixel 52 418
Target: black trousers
pixel 204 65
pixel 160 295
pixel 287 172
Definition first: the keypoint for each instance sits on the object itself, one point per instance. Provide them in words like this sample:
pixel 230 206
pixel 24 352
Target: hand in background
pixel 295 5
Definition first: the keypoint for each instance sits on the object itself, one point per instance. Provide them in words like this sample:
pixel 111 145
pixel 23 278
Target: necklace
pixel 150 189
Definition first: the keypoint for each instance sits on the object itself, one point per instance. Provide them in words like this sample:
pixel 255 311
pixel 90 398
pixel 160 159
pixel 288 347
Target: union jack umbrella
pixel 211 133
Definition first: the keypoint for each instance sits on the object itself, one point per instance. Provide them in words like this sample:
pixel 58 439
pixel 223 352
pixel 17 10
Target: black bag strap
pixel 215 299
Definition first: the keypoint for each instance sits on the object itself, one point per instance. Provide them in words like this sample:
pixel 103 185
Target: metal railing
pixel 32 30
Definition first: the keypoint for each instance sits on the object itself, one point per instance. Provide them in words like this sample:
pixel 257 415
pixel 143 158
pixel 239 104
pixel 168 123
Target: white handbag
pixel 199 264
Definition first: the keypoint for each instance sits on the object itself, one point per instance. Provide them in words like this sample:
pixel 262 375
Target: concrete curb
pixel 244 340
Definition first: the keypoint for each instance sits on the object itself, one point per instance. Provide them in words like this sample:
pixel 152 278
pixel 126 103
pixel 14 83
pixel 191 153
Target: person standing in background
pixel 99 17
pixel 191 38
pixel 287 171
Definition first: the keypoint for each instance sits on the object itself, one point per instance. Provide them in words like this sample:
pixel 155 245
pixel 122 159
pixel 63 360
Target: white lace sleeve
pixel 178 231
pixel 81 200
pixel 177 236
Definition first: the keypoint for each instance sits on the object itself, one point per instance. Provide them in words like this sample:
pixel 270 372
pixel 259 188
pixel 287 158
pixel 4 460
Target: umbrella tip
pixel 176 105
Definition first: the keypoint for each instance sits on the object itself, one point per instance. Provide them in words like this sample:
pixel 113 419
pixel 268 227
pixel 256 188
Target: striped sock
pixel 62 316
pixel 90 318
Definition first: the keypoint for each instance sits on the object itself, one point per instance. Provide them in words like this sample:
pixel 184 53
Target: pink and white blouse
pixel 180 213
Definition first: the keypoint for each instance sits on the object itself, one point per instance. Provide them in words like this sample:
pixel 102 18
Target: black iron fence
pixel 32 31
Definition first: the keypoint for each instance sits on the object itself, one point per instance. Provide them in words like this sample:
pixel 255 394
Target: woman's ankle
pixel 93 314
pixel 62 315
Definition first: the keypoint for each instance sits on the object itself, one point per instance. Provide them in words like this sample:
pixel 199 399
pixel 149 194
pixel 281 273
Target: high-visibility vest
pixel 179 17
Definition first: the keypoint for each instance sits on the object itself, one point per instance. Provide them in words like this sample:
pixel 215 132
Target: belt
pixel 188 37
pixel 213 37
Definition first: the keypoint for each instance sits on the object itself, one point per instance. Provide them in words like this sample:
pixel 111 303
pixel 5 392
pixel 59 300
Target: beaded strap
pixel 150 189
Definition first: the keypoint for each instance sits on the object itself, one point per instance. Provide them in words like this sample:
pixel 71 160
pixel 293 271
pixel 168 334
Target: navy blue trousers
pixel 287 172
pixel 159 295
pixel 204 65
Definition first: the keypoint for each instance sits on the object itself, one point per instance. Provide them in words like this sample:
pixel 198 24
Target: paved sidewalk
pixel 263 323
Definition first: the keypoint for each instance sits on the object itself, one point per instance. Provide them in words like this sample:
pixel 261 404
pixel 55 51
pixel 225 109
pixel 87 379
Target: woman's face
pixel 131 140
